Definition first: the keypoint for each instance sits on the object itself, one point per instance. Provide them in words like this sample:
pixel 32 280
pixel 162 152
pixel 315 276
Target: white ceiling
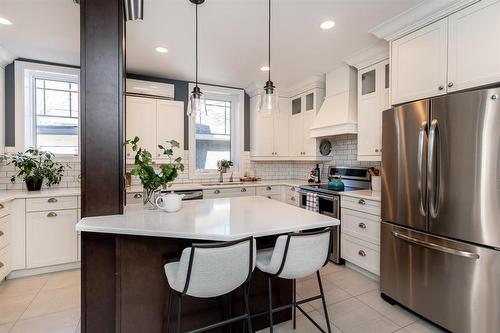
pixel 233 36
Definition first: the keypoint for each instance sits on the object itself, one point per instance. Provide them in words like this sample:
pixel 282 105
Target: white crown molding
pixel 369 56
pixel 5 57
pixel 312 82
pixel 424 13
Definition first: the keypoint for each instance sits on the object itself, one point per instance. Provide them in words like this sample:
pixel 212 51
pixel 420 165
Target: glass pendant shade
pixel 269 100
pixel 196 103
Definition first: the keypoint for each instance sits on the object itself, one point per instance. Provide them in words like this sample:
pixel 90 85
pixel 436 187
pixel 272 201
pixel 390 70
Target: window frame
pixel 237 99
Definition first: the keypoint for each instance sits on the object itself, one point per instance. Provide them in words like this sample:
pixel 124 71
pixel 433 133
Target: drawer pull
pixel 362 202
pixel 216 191
pixel 292 188
pixel 137 196
pixel 52 200
pixel 1 233
pixel 269 197
pixel 1 264
pixel 243 190
pixel 51 214
pixel 362 253
pixel 2 206
pixel 292 199
pixel 362 225
pixel 269 188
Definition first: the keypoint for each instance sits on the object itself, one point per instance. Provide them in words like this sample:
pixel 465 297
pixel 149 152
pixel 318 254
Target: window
pixel 218 134
pixel 56 112
pixel 213 135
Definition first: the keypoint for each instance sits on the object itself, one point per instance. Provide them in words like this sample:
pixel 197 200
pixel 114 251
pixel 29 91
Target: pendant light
pixel 196 100
pixel 269 100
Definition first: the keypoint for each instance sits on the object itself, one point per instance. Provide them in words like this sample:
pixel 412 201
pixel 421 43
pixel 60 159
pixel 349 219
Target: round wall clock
pixel 325 147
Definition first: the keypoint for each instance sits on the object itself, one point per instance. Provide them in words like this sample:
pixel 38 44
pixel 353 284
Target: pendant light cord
pixel 269 41
pixel 196 44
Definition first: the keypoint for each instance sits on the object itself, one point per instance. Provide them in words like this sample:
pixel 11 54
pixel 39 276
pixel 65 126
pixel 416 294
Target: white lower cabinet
pixel 360 233
pixel 5 236
pixel 292 196
pixel 4 263
pixel 51 238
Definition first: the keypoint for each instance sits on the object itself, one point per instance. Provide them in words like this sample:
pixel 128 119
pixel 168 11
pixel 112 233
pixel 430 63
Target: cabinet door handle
pixel 362 202
pixel 269 197
pixel 1 264
pixel 376 150
pixel 362 225
pixel 137 196
pixel 292 188
pixel 292 199
pixel 216 191
pixel 2 206
pixel 1 233
pixel 450 84
pixel 51 214
pixel 269 188
pixel 52 200
pixel 362 253
pixel 440 87
pixel 243 189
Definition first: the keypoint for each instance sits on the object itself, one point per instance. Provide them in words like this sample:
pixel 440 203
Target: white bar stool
pixel 294 256
pixel 212 270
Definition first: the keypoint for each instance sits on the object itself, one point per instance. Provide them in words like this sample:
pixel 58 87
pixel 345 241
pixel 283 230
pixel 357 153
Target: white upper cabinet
pixel 474 46
pixel 373 98
pixel 141 122
pixel 154 121
pixel 281 128
pixel 418 63
pixel 461 51
pixel 169 126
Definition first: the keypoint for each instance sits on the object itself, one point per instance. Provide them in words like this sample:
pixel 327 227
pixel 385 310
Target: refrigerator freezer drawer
pixel 453 284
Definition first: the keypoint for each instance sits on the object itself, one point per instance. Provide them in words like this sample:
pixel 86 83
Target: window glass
pixel 56 113
pixel 213 135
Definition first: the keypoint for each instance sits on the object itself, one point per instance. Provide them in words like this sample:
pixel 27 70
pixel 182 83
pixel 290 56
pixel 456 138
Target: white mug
pixel 170 202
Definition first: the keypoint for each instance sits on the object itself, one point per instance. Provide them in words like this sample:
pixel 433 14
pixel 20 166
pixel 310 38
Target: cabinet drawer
pixel 51 203
pixel 273 196
pixel 268 190
pixel 4 263
pixel 361 225
pixel 4 231
pixel 292 198
pixel 229 192
pixel 364 254
pixel 361 205
pixel 51 238
pixel 134 198
pixel 4 208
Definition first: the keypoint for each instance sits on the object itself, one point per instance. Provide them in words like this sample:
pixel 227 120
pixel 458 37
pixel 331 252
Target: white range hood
pixel 339 112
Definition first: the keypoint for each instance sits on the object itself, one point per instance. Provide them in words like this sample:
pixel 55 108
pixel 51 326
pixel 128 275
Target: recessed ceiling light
pixel 4 21
pixel 161 49
pixel 264 68
pixel 327 25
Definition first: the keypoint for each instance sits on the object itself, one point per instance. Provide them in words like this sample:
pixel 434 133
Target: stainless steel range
pixel 329 200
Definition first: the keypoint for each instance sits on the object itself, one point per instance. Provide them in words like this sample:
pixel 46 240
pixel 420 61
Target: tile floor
pixel 51 303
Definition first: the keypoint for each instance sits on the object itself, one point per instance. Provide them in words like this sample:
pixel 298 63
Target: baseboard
pixel 42 270
pixel 363 271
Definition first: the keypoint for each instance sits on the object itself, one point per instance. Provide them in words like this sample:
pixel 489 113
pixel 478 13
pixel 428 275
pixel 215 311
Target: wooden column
pixel 102 108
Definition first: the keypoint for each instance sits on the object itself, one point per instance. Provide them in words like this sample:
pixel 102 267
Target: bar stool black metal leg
pixel 294 292
pixel 170 295
pixel 270 291
pixel 179 313
pixel 324 302
pixel 247 308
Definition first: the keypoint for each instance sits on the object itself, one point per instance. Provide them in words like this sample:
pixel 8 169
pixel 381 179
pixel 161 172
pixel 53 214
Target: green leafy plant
pixel 35 166
pixel 154 178
pixel 223 165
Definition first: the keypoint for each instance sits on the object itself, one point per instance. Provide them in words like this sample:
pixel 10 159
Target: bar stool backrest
pixel 211 270
pixel 298 255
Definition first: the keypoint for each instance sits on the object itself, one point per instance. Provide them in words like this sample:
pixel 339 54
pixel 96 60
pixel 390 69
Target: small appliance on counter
pixel 343 179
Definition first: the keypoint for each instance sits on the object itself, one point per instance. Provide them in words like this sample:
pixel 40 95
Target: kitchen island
pixel 124 288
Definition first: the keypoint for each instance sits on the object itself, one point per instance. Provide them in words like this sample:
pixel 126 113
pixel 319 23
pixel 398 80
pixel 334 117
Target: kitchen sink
pixel 222 184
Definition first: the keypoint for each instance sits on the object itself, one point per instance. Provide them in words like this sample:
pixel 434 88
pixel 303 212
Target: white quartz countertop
pixel 211 219
pixel 363 194
pixel 201 186
pixel 9 195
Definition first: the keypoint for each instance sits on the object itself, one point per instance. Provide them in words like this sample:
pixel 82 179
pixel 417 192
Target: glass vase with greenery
pixel 154 176
pixel 35 166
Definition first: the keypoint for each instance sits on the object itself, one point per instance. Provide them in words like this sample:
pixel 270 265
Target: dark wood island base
pixel 124 288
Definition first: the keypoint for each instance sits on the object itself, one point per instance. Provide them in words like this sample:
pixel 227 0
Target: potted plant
pixel 154 177
pixel 223 165
pixel 35 166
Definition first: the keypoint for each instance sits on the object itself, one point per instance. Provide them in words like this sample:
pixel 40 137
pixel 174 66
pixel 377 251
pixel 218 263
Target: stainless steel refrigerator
pixel 440 234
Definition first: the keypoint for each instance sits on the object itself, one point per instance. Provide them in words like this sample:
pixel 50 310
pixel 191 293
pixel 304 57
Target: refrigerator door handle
pixel 436 247
pixel 420 185
pixel 433 170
